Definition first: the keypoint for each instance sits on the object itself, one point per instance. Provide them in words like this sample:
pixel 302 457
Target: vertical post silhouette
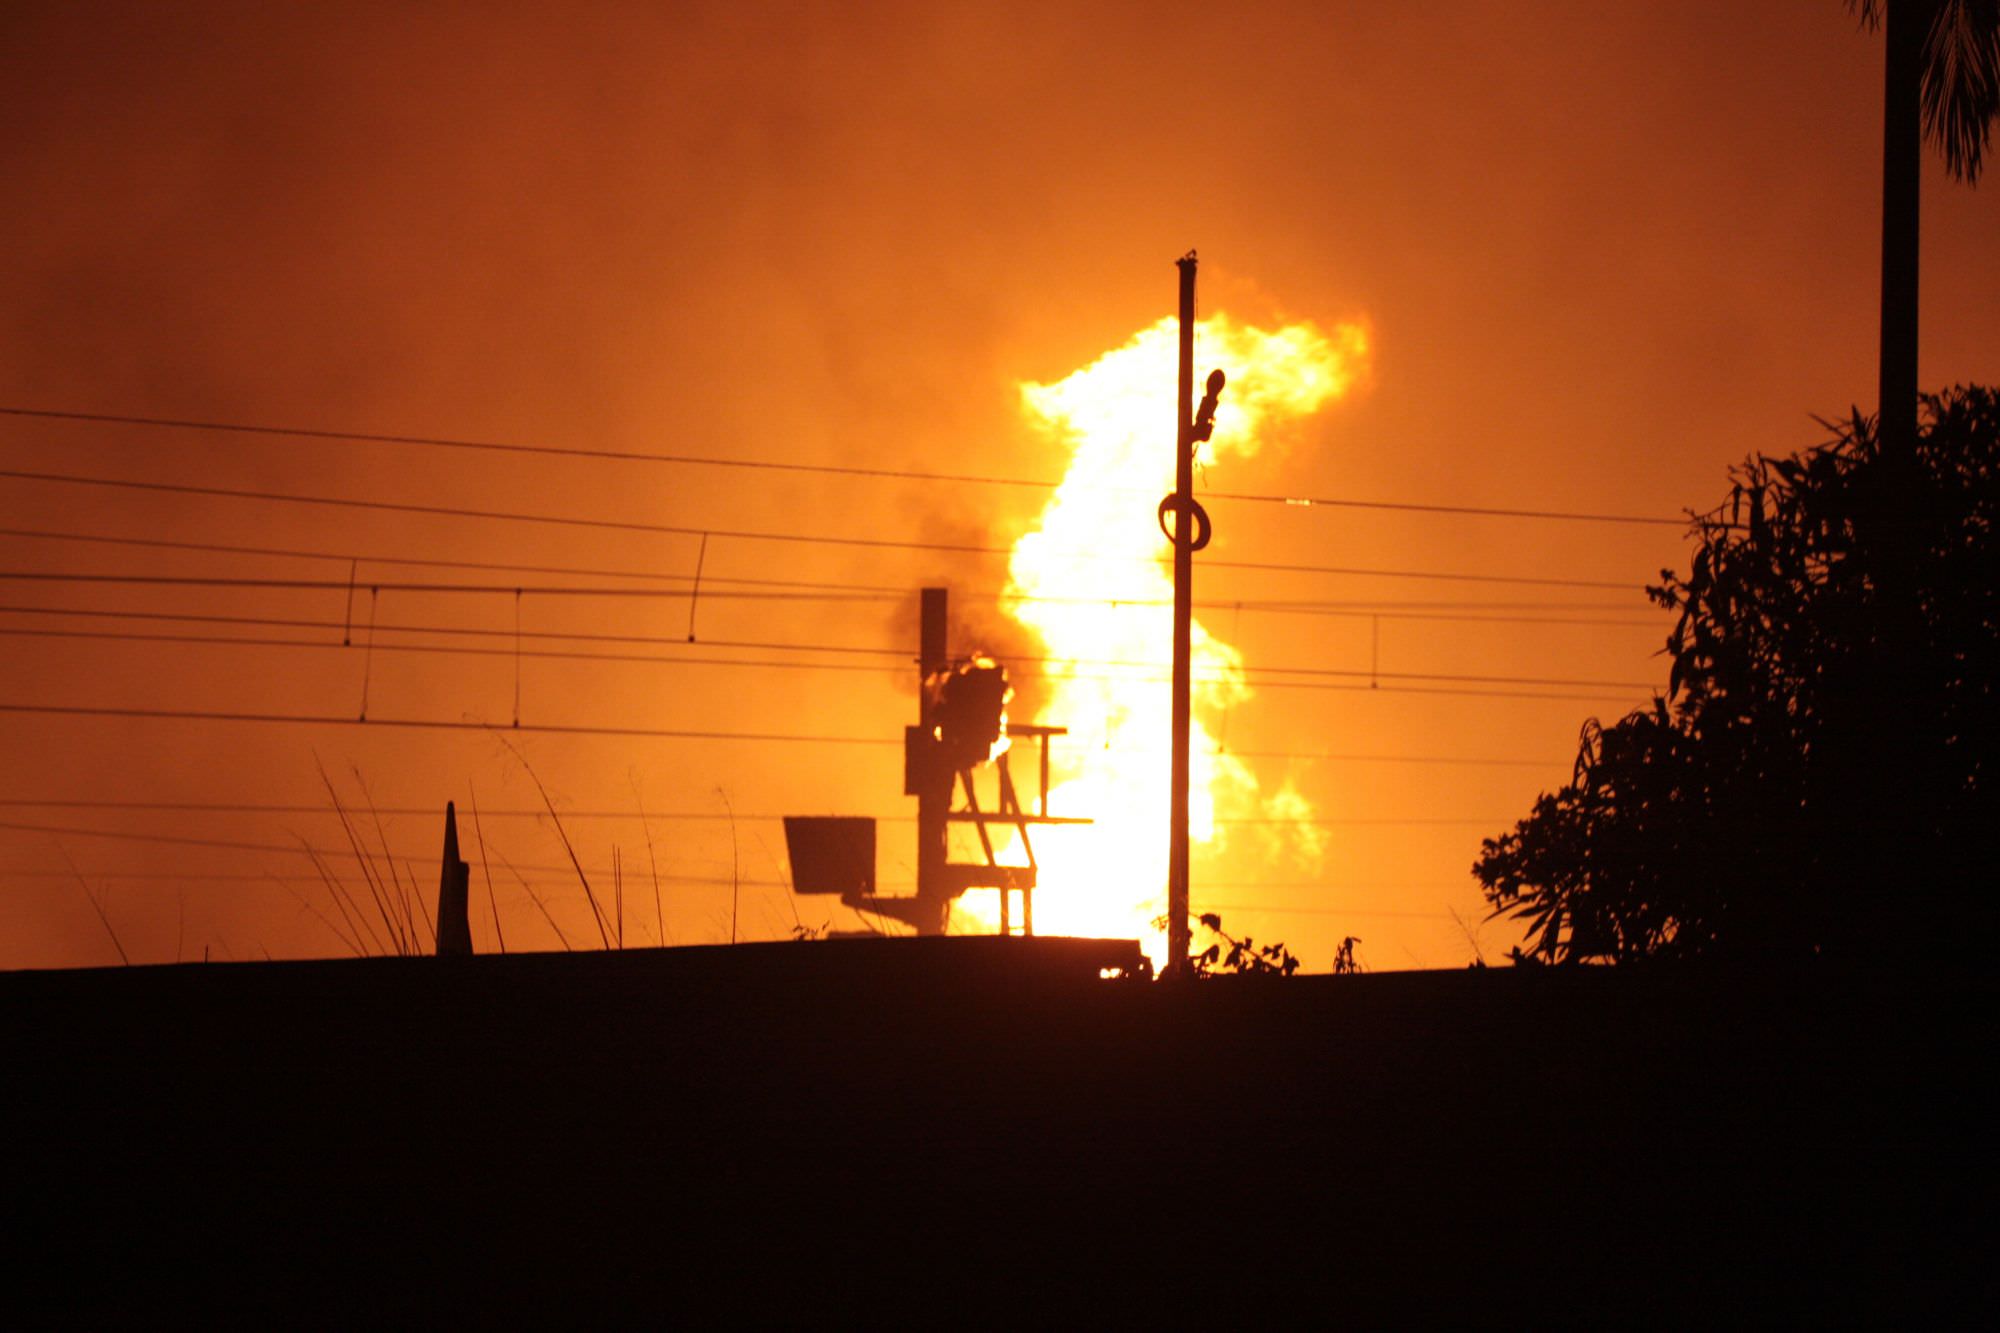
pixel 1178 936
pixel 932 781
pixel 1190 532
pixel 1904 23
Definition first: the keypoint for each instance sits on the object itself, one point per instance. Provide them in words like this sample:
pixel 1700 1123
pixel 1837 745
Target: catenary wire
pixel 1397 682
pixel 824 469
pixel 635 816
pixel 741 534
pixel 427 562
pixel 196 877
pixel 391 585
pixel 433 724
pixel 1256 675
pixel 1386 609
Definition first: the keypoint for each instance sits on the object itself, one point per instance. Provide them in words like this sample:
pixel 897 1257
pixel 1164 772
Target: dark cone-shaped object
pixel 454 931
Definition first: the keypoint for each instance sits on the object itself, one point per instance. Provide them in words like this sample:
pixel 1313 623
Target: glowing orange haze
pixel 1606 251
pixel 1096 539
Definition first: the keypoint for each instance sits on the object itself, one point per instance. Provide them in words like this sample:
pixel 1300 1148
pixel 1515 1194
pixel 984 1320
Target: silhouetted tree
pixel 1941 71
pixel 1819 773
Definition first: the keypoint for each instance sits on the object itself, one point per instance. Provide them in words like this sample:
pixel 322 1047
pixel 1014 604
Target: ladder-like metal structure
pixel 1007 879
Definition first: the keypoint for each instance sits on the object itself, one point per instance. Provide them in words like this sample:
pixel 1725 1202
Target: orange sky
pixel 1603 251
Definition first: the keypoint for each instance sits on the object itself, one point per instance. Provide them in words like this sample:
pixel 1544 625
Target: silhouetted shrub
pixel 1817 776
pixel 1227 956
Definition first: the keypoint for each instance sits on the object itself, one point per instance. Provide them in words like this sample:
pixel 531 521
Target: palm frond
pixel 1961 82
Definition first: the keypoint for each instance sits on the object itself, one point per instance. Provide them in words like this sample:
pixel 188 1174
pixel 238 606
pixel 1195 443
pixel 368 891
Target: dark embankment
pixel 979 1130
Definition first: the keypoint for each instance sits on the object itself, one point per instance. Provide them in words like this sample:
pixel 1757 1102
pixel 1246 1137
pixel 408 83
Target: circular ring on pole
pixel 1203 530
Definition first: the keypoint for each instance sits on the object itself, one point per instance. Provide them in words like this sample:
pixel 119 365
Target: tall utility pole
pixel 1190 532
pixel 930 782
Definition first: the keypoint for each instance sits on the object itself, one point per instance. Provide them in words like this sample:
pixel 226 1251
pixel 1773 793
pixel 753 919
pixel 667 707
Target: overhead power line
pixel 1460 511
pixel 639 816
pixel 1254 673
pixel 1378 681
pixel 279 877
pixel 313 719
pixel 565 874
pixel 306 849
pixel 559 877
pixel 433 724
pixel 743 534
pixel 509 516
pixel 425 562
pixel 1273 909
pixel 323 808
pixel 823 469
pixel 553 880
pixel 459 631
pixel 1336 757
pixel 793 591
pixel 435 649
pixel 1386 609
pixel 175 839
pixel 395 585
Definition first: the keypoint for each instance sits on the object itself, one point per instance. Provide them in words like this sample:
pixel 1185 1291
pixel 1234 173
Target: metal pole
pixel 1178 935
pixel 932 780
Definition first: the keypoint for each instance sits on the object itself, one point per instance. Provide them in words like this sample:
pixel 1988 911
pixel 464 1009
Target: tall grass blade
pixel 306 903
pixel 492 900
pixel 423 902
pixel 659 917
pixel 618 891
pixel 735 873
pixel 95 906
pixel 404 894
pixel 343 901
pixel 535 898
pixel 596 908
pixel 368 875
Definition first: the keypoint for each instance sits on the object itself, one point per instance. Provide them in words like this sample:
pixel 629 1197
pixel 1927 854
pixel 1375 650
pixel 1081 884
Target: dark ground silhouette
pixel 976 1130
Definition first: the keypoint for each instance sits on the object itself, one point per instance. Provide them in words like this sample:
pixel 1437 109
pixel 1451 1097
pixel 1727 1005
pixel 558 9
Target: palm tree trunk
pixel 1907 22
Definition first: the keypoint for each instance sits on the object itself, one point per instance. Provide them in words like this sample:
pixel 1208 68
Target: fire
pixel 1093 579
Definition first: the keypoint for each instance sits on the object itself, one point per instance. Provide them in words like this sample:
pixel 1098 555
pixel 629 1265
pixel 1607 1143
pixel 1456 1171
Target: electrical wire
pixel 389 585
pixel 343 557
pixel 1259 908
pixel 436 649
pixel 433 724
pixel 1253 674
pixel 308 850
pixel 1401 609
pixel 565 879
pixel 1397 681
pixel 825 469
pixel 386 585
pixel 556 880
pixel 742 534
pixel 288 622
pixel 635 816
pixel 797 592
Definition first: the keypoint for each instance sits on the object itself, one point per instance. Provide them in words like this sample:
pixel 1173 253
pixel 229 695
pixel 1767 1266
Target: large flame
pixel 1097 542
